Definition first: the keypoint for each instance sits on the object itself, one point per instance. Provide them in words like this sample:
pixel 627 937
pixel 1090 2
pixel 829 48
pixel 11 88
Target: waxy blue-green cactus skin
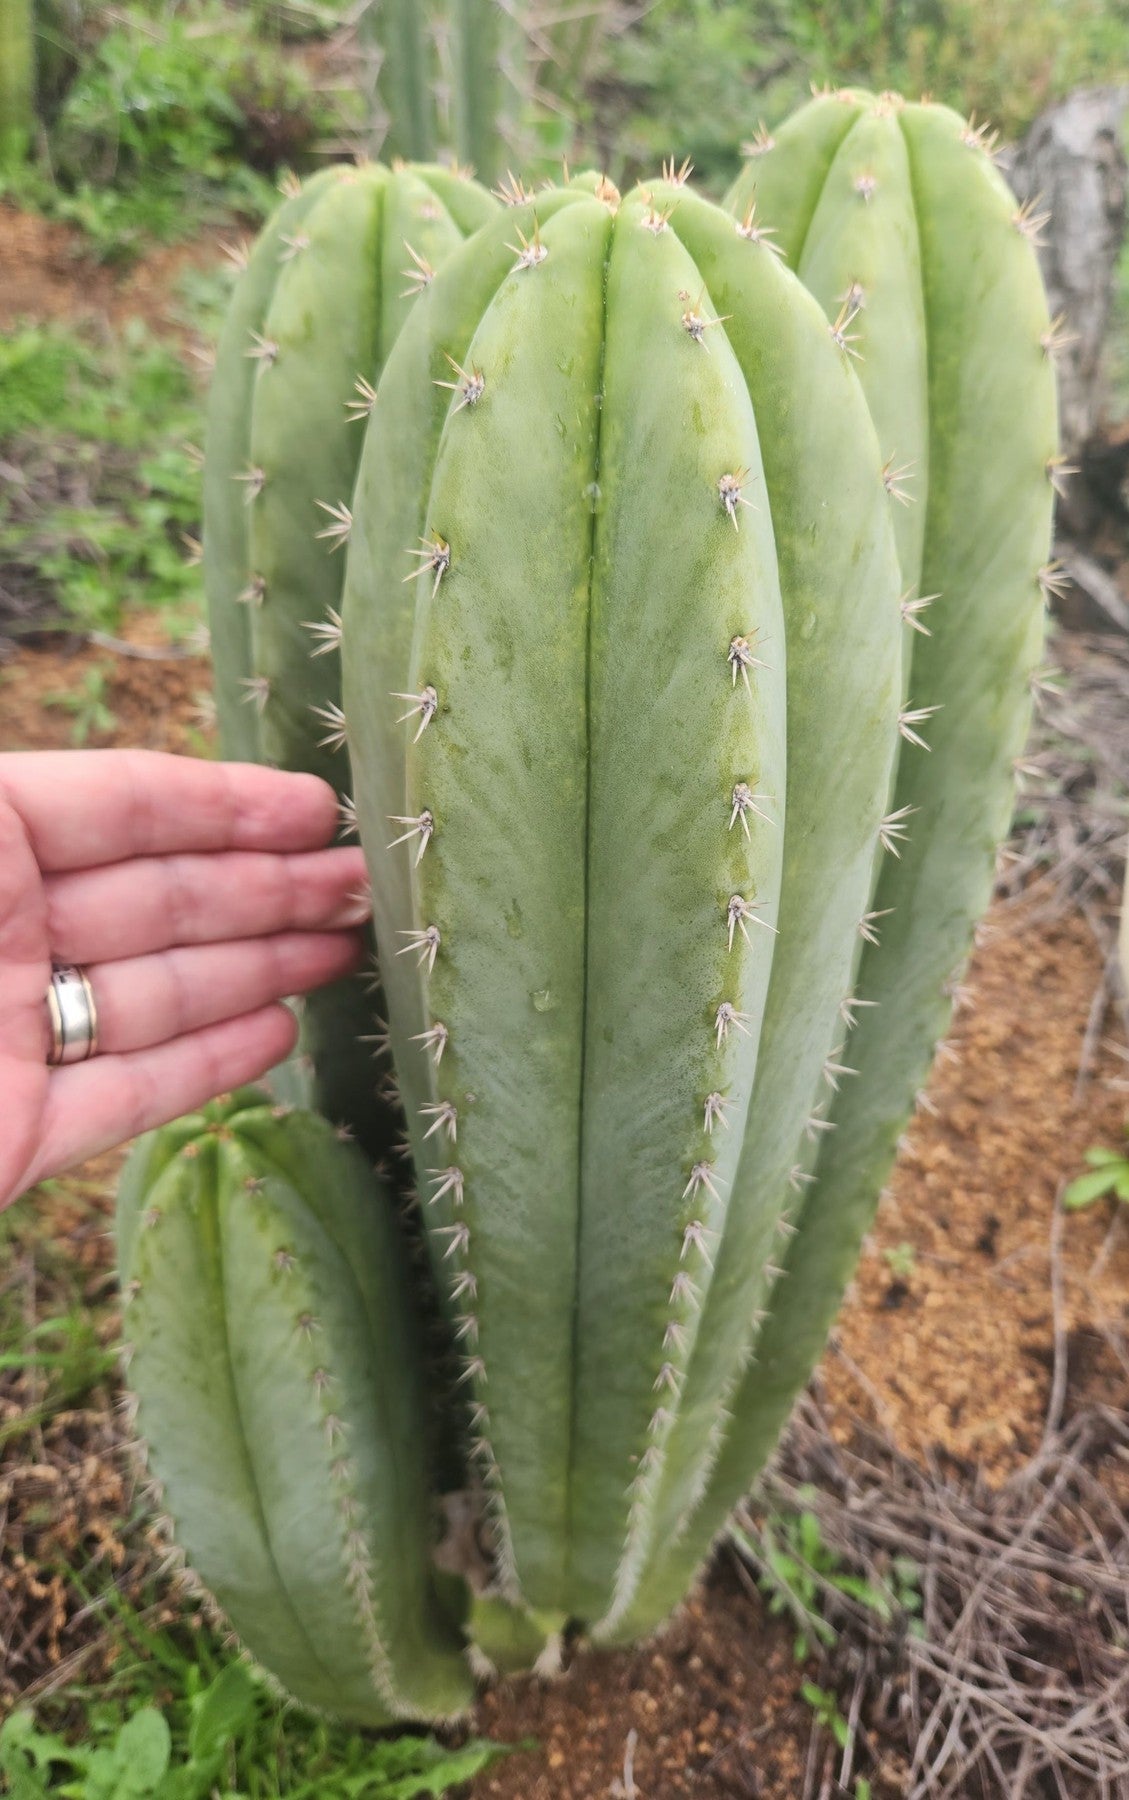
pixel 311 320
pixel 895 218
pixel 680 745
pixel 656 477
pixel 273 1359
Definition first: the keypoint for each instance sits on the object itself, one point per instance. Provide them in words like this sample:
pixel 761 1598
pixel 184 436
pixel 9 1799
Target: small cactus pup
pixel 325 290
pixel 897 221
pixel 279 1394
pixel 622 679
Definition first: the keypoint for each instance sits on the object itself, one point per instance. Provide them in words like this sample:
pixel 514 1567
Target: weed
pixel 170 117
pixel 100 492
pixel 1108 1174
pixel 224 1728
pixel 901 1260
pixel 801 1577
pixel 87 706
pixel 825 1711
pixel 182 1719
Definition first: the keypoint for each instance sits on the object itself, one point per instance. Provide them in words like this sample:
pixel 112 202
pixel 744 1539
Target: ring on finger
pixel 72 1016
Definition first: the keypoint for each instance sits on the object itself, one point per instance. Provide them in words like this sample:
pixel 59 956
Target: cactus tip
pixel 761 142
pixel 419 277
pixel 726 1018
pixel 331 716
pixel 470 386
pixel 326 632
pixel 744 802
pixel 909 717
pixel 529 251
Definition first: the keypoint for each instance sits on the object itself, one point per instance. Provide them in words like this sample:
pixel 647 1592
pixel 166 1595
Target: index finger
pixel 81 808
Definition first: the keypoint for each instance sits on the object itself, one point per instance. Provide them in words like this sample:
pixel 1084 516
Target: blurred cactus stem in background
pixel 478 80
pixel 17 81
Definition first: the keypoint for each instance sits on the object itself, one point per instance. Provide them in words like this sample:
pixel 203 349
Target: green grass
pixel 188 1723
pixel 184 1717
pixel 103 492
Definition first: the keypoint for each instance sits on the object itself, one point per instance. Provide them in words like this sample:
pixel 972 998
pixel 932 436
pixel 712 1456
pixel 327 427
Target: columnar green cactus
pixel 895 218
pixel 312 318
pixel 278 1387
pixel 624 768
pixel 451 78
pixel 638 689
pixel 484 79
pixel 17 81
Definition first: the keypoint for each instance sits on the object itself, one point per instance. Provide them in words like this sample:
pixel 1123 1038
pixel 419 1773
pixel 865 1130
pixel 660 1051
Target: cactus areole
pixel 632 704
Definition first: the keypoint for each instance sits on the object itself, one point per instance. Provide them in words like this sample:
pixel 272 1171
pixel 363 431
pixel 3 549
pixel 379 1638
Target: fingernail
pixel 355 909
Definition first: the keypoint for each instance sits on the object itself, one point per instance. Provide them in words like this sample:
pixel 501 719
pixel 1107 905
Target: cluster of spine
pixel 684 633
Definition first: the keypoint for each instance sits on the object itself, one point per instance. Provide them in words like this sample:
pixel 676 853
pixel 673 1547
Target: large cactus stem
pixel 274 1362
pixel 895 218
pixel 17 81
pixel 311 321
pixel 580 1037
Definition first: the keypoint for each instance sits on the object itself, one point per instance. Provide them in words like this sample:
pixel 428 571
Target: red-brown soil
pixel 45 274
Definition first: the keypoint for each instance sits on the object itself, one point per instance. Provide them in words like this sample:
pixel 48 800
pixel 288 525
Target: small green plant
pixel 1108 1173
pixel 226 1734
pixel 825 1710
pixel 901 1260
pixel 800 1574
pixel 173 116
pixel 94 514
pixel 87 706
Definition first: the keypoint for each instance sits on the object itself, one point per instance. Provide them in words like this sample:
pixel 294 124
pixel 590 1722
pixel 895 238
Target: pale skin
pixel 196 896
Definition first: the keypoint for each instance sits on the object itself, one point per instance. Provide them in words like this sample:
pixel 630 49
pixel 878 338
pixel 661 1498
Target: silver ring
pixel 72 1016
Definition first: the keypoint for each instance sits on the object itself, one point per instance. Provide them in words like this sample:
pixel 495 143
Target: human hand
pixel 194 896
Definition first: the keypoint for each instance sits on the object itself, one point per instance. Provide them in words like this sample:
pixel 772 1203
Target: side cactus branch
pixel 311 320
pixel 894 216
pixel 273 1360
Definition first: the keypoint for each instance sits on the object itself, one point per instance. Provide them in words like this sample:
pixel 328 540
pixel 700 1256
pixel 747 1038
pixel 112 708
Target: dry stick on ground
pixel 1018 1683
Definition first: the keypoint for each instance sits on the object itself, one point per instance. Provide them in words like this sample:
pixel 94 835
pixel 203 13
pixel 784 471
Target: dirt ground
pixel 44 275
pixel 946 1342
